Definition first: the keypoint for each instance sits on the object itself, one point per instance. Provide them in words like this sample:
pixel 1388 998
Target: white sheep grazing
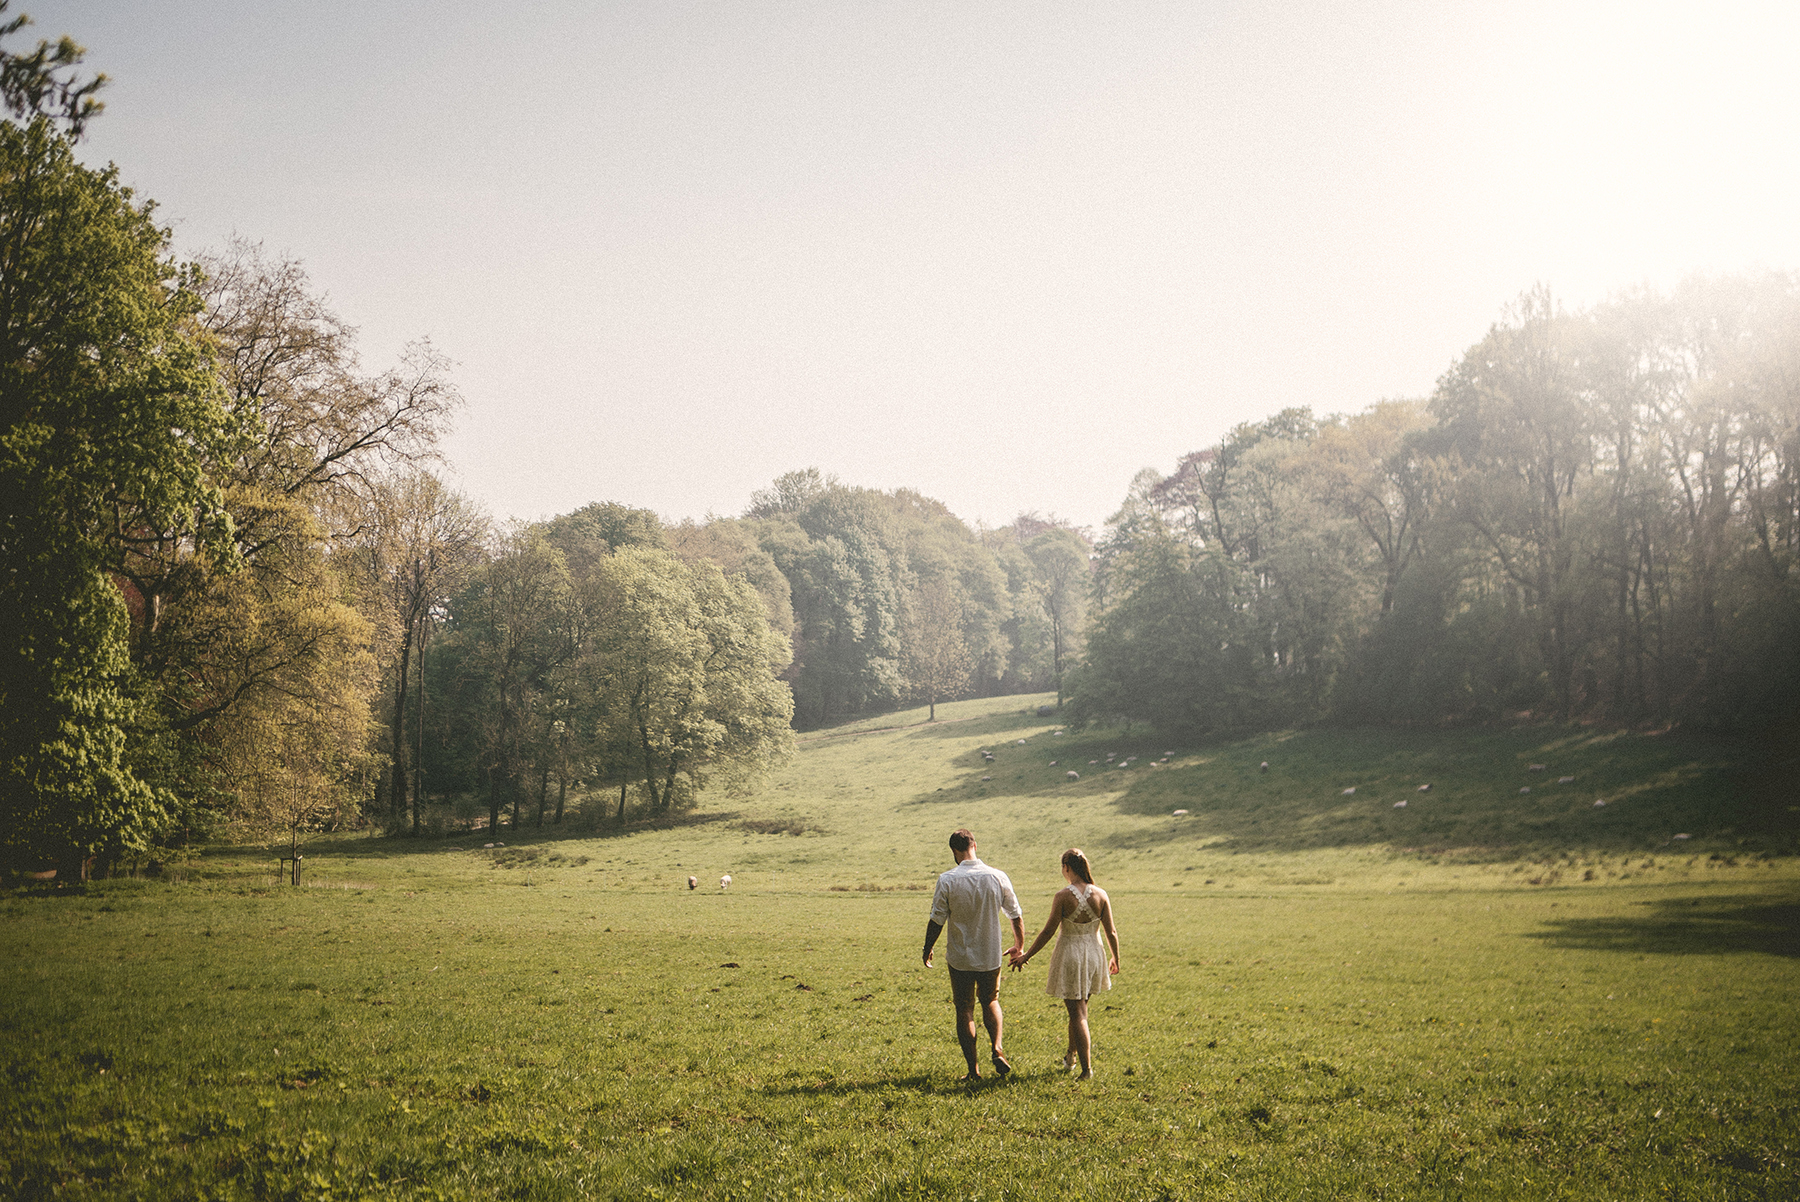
pixel 1350 792
pixel 725 881
pixel 1565 780
pixel 1401 804
pixel 1264 767
pixel 1021 742
pixel 1684 836
pixel 1425 788
pixel 1599 803
pixel 1072 774
pixel 1179 814
pixel 987 778
pixel 693 883
pixel 1526 789
pixel 1053 763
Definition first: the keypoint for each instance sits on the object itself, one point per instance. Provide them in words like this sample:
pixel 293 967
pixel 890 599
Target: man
pixel 970 900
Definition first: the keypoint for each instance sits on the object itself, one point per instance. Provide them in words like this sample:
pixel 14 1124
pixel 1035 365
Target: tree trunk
pixel 419 734
pixel 543 794
pixel 397 800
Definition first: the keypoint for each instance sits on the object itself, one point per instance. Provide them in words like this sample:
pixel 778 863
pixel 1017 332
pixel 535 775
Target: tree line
pixel 235 592
pixel 605 652
pixel 1595 514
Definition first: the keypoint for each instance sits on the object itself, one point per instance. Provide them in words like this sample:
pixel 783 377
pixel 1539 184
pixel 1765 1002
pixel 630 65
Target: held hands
pixel 1016 957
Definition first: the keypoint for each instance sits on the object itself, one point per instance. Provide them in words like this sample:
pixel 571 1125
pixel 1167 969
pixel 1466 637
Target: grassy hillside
pixel 1486 993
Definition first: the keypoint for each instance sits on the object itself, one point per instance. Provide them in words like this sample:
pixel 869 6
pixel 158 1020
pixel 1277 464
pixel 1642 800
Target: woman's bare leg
pixel 1081 1040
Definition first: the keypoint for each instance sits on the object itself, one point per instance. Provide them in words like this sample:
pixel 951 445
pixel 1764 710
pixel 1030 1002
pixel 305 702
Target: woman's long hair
pixel 1075 860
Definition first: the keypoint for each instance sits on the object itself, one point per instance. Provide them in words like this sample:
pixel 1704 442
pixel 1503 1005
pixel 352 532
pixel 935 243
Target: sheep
pixel 1021 742
pixel 1167 754
pixel 725 881
pixel 1526 789
pixel 1350 792
pixel 1425 788
pixel 693 883
pixel 1264 767
pixel 1599 803
pixel 1684 836
pixel 1565 780
pixel 987 778
pixel 1053 763
pixel 1179 814
pixel 1401 804
pixel 1072 774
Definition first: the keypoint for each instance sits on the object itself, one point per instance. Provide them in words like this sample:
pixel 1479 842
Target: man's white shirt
pixel 969 904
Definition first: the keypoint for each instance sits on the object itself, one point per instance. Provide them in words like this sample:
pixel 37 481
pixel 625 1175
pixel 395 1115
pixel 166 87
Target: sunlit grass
pixel 1305 1009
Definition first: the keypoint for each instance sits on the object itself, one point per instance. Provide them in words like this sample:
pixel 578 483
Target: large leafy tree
pixel 683 673
pixel 109 413
pixel 936 652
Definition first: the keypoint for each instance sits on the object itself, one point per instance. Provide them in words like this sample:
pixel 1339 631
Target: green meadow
pixel 1486 993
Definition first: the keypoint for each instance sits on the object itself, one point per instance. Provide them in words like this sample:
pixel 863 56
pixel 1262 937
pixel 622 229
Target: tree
pixel 684 672
pixel 1061 579
pixel 45 83
pixel 937 654
pixel 109 414
pixel 422 542
pixel 513 621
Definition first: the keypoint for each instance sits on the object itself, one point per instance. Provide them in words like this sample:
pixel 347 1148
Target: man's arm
pixel 1018 938
pixel 932 931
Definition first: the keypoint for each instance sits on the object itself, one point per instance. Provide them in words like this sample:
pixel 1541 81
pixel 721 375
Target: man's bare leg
pixel 995 1023
pixel 965 1035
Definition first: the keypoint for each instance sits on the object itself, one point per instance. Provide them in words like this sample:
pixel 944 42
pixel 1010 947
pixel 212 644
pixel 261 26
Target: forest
pixel 240 599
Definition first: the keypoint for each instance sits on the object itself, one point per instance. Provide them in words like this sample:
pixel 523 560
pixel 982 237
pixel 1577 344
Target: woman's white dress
pixel 1078 961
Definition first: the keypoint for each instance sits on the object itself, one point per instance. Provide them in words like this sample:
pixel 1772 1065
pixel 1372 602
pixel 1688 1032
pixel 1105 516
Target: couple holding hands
pixel 970 902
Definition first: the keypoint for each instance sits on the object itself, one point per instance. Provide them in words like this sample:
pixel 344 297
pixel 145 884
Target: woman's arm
pixel 1057 904
pixel 1112 934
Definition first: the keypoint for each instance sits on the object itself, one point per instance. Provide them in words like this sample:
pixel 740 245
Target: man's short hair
pixel 961 839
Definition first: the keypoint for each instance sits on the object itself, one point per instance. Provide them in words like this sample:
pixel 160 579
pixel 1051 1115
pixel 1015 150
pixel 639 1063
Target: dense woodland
pixel 239 598
pixel 1595 515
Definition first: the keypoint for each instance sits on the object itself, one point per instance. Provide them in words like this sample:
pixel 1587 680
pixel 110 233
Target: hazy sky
pixel 1006 254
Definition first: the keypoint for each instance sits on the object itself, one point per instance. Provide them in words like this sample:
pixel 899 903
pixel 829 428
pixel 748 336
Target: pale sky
pixel 1003 253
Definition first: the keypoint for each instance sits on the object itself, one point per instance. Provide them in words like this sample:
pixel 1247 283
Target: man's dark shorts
pixel 967 986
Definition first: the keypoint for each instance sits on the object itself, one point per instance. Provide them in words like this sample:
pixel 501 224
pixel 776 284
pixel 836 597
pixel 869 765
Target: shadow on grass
pixel 1008 727
pixel 1493 792
pixel 1687 926
pixel 919 1083
pixel 364 846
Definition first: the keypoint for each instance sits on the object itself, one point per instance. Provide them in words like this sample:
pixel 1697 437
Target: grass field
pixel 1485 994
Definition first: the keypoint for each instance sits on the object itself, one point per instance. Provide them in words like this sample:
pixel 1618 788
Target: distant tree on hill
pixel 937 653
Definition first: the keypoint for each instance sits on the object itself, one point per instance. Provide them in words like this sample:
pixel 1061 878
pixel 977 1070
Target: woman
pixel 1079 965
